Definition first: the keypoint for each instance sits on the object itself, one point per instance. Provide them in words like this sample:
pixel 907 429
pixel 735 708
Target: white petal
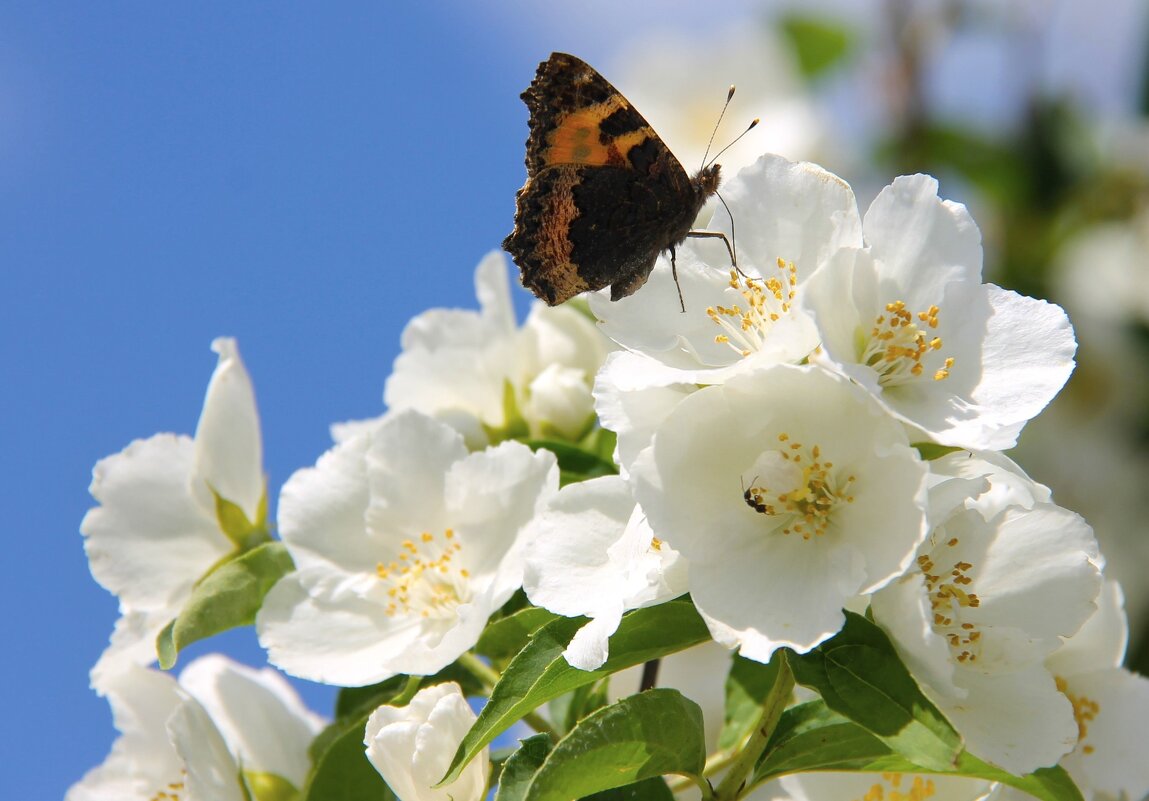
pixel 921 241
pixel 1018 721
pixel 142 761
pixel 229 449
pixel 1026 360
pixel 260 716
pixel 795 211
pixel 212 771
pixel 588 650
pixel 1101 642
pixel 150 539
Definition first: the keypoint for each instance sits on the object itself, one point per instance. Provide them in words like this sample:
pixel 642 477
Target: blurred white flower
pixel 489 378
pixel 1002 577
pixel 788 490
pixel 224 732
pixel 592 553
pixel 412 746
pixel 908 318
pixel 404 544
pixel 678 82
pixel 171 508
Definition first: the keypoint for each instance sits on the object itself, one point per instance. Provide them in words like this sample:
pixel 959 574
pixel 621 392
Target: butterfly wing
pixel 603 195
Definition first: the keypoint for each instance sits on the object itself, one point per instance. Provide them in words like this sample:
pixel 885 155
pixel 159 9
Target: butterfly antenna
pixel 749 128
pixel 721 114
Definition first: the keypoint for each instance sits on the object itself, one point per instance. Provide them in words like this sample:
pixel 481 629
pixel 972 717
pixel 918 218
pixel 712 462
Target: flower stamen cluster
pixel 424 582
pixel 767 301
pixel 948 599
pixel 810 504
pixel 898 344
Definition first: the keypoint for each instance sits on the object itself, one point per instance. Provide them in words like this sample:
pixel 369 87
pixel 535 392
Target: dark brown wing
pixel 603 195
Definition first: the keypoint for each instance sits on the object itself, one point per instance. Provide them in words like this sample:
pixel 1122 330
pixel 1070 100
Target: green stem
pixel 489 677
pixel 772 707
pixel 408 692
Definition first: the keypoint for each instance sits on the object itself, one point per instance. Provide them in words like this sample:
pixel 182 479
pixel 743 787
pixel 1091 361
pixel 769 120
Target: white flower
pixel 790 219
pixel 1110 704
pixel 492 380
pixel 833 786
pixel 1002 577
pixel 262 720
pixel 223 733
pixel 161 526
pixel 909 319
pixel 789 491
pixel 592 553
pixel 412 746
pixel 404 545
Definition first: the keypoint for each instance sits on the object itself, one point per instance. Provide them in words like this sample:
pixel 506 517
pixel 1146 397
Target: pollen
pixel 900 344
pixel 1085 711
pixel 745 327
pixel 890 788
pixel 951 601
pixel 803 494
pixel 421 579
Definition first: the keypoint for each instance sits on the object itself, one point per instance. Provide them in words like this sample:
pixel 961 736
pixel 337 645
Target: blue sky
pixel 303 178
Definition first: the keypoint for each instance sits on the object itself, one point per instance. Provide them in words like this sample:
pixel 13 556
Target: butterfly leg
pixel 703 234
pixel 678 286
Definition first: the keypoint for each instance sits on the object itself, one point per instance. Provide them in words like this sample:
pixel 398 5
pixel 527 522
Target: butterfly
pixel 604 195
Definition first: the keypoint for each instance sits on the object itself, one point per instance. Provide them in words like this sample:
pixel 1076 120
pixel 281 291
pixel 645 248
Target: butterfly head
pixel 706 181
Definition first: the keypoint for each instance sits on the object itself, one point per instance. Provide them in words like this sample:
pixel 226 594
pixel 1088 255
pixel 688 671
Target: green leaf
pixel 506 637
pixel 360 701
pixel 653 789
pixel 747 686
pixel 811 737
pixel 640 737
pixel 859 675
pixel 521 766
pixel 575 463
pixel 539 673
pixel 931 450
pixel 227 597
pixel 340 770
pixel 818 43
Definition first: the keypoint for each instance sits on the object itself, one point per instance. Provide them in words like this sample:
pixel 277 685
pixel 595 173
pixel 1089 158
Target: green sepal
pixel 227 597
pixel 931 450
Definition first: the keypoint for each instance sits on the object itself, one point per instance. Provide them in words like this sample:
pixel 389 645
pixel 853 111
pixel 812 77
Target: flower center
pixel 899 342
pixel 422 579
pixel 767 300
pixel 796 486
pixel 1085 710
pixel 890 789
pixel 949 601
